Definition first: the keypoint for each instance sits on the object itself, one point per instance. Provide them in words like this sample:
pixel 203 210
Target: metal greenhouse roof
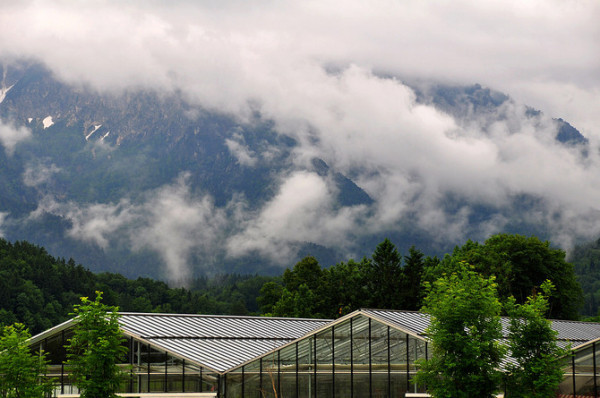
pixel 415 322
pixel 217 342
pixel 223 343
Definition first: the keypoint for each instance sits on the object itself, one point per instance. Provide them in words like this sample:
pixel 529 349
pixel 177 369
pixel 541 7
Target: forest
pixel 40 290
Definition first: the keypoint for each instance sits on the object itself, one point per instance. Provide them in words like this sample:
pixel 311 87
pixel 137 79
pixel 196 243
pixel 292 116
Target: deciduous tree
pixel 95 349
pixel 464 332
pixel 519 264
pixel 21 369
pixel 537 371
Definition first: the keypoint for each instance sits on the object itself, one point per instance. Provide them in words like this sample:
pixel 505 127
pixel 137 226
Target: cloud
pixel 238 148
pixel 39 173
pixel 11 135
pixel 169 221
pixel 302 211
pixel 3 216
pixel 225 54
pixel 336 80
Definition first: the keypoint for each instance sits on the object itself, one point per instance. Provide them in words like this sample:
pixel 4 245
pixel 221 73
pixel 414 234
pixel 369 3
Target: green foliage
pixel 39 290
pixel 308 290
pixel 96 348
pixel 270 293
pixel 464 332
pixel 20 368
pixel 520 264
pixel 384 276
pixel 586 259
pixel 537 372
pixel 411 292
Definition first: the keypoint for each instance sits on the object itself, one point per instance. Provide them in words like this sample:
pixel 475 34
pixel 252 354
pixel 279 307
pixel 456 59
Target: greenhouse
pixel 368 353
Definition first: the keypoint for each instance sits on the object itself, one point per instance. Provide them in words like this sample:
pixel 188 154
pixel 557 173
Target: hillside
pixel 149 183
pixel 40 290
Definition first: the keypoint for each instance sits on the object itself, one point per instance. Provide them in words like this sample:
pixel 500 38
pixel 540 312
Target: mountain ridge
pixel 117 158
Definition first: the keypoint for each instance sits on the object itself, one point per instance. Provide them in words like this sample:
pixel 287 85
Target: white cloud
pixel 314 68
pixel 3 216
pixel 224 55
pixel 169 221
pixel 302 211
pixel 240 150
pixel 39 173
pixel 10 136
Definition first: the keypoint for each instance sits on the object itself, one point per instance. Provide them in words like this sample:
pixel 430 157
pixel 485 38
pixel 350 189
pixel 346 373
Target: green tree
pixel 302 292
pixel 411 292
pixel 20 368
pixel 95 349
pixel 344 289
pixel 384 276
pixel 464 332
pixel 270 293
pixel 519 264
pixel 537 372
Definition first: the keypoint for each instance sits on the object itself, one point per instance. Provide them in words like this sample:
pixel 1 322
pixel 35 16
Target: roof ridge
pixel 257 317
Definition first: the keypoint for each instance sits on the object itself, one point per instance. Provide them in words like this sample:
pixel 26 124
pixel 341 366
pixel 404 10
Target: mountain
pixel 149 183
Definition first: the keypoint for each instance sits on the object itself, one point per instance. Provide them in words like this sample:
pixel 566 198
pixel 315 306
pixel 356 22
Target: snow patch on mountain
pixel 47 122
pixel 3 92
pixel 96 127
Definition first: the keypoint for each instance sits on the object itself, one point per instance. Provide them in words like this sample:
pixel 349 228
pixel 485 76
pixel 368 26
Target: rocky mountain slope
pixel 147 183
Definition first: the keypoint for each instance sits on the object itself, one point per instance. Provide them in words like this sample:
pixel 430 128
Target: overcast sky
pixel 318 67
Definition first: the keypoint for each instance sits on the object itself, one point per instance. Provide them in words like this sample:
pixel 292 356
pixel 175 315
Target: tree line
pixel 465 336
pixel 388 280
pixel 39 290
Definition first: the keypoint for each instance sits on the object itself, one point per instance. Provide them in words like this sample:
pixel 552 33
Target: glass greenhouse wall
pixel 359 357
pixel 582 378
pixel 369 353
pixel 149 370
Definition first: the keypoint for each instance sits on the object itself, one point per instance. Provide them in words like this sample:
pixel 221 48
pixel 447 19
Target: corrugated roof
pixel 222 343
pixel 217 342
pixel 417 323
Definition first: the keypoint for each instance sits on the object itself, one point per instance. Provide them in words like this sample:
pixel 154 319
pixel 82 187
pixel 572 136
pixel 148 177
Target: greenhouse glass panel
pixel 398 359
pixel 584 371
pixel 343 385
pixel 252 379
pixel 416 350
pixel 287 364
pixel 233 383
pixel 379 359
pixel 361 385
pixel 325 378
pixel 324 350
pixel 343 346
pixel 193 380
pixel 597 367
pixel 270 376
pixel 305 355
pixel 288 385
pixel 324 385
pixel 210 381
pixel 360 356
pixel 360 343
pixel 566 386
pixel 157 364
pixel 305 385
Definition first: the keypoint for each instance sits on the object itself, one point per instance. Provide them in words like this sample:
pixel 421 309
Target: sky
pixel 333 75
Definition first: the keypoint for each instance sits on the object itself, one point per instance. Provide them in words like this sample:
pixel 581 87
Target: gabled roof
pixel 223 343
pixel 216 342
pixel 416 323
